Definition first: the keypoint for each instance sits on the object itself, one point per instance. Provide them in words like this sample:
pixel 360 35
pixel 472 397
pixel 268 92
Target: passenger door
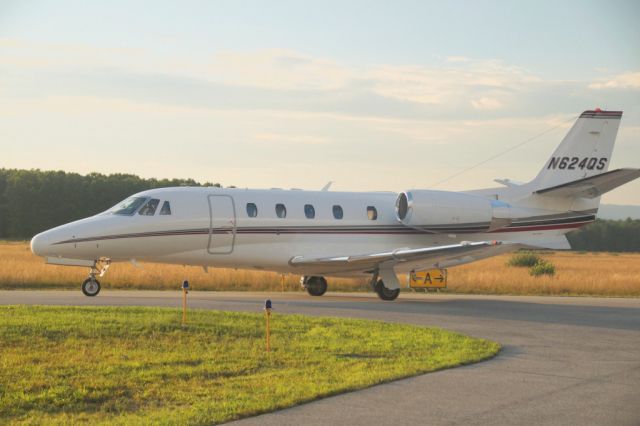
pixel 222 224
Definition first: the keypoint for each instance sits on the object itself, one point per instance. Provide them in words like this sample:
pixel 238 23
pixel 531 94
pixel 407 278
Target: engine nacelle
pixel 449 209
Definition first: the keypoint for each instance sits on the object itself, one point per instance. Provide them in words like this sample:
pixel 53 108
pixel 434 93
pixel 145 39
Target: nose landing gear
pixel 91 286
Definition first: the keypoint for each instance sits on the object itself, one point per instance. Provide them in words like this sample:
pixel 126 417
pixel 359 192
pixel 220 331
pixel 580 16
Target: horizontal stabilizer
pixel 593 186
pixel 509 183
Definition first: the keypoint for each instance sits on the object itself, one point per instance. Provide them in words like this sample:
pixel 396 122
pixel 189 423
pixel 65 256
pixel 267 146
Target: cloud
pixel 276 69
pixel 455 83
pixel 290 138
pixel 457 59
pixel 286 77
pixel 291 60
pixel 486 103
pixel 294 82
pixel 630 80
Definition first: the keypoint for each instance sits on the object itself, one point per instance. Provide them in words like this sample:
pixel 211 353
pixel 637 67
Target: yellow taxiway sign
pixel 433 278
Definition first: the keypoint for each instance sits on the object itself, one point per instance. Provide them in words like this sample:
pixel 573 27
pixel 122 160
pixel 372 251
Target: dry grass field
pixel 601 274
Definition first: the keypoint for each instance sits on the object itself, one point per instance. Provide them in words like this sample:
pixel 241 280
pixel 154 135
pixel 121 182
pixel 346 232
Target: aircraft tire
pixel 91 287
pixel 385 293
pixel 316 286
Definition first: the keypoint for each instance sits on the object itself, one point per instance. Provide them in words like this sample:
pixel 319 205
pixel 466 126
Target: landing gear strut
pixel 315 286
pixel 91 286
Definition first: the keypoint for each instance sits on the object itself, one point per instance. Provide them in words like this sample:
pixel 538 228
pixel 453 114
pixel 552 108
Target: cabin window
pixel 372 213
pixel 128 206
pixel 281 211
pixel 309 211
pixel 166 209
pixel 149 209
pixel 337 212
pixel 252 210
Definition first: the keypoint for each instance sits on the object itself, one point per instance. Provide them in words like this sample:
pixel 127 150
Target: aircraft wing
pixel 593 186
pixel 419 258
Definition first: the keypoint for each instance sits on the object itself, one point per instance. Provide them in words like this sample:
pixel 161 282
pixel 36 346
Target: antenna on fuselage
pixel 506 151
pixel 327 186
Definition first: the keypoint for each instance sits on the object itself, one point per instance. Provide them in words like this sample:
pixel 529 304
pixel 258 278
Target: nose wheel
pixel 91 287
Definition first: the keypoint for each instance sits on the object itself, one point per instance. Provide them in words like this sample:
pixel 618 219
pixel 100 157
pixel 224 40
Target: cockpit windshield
pixel 128 206
pixel 149 209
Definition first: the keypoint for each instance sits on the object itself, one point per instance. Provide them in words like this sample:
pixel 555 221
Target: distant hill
pixel 618 212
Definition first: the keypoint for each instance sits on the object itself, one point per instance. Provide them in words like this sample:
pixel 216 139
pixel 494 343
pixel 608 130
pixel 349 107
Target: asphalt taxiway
pixel 565 361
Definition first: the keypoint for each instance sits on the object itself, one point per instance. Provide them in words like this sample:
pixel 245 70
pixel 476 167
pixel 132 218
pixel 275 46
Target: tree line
pixel 607 235
pixel 32 201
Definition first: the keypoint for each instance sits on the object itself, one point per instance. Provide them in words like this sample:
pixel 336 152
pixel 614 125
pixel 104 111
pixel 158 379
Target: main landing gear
pixel 91 286
pixel 386 293
pixel 315 286
pixel 383 292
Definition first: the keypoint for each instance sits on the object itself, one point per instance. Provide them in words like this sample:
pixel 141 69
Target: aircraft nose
pixel 40 244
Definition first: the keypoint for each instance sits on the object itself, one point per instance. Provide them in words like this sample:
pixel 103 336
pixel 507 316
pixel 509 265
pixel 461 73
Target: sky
pixel 371 95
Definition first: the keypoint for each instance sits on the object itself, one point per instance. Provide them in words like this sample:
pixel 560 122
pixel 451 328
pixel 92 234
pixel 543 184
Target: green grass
pixel 524 259
pixel 542 267
pixel 138 365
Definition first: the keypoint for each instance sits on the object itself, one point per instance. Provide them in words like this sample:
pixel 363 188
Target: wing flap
pixel 593 186
pixel 442 256
pixel 554 242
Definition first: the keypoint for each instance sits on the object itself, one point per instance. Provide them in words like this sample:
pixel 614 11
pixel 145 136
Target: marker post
pixel 267 313
pixel 185 290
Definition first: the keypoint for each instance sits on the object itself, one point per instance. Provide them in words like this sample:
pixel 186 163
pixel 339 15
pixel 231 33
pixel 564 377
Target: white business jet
pixel 322 233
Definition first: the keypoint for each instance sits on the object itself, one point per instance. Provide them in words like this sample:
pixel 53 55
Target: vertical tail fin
pixel 585 151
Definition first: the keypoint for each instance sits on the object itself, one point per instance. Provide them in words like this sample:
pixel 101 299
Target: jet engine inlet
pixel 443 209
pixel 402 206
